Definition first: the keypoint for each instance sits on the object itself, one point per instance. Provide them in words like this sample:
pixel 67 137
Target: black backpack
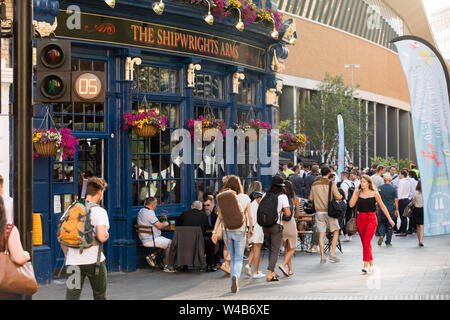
pixel 267 214
pixel 351 190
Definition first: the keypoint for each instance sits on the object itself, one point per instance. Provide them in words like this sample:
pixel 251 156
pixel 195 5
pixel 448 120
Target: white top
pixel 413 185
pixel 418 199
pixel 394 180
pixel 147 217
pixel 283 202
pixel 377 180
pixel 99 217
pixel 404 187
pixel 345 185
pixel 9 208
pixel 243 201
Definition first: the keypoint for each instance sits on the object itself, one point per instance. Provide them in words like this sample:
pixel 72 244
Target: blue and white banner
pixel 341 149
pixel 428 83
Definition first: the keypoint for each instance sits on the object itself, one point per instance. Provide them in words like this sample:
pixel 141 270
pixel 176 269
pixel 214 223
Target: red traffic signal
pixel 53 81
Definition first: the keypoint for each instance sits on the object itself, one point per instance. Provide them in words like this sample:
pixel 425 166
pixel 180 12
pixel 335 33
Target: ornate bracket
pixel 129 67
pixel 236 77
pixel 191 74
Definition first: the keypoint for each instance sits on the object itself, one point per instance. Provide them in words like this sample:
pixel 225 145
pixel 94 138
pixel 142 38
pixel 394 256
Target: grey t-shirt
pixel 147 217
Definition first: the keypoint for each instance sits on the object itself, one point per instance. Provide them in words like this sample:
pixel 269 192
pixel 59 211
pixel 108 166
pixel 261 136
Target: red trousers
pixel 367 225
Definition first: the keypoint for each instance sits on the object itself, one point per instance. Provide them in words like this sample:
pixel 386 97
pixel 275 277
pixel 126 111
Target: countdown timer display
pixel 89 86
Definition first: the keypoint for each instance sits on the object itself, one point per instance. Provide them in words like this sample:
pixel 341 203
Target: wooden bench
pixel 154 251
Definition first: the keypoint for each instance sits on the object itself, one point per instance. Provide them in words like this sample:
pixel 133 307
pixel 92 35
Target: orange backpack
pixel 75 229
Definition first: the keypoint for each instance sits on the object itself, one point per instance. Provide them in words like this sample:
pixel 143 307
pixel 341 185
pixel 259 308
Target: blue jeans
pixel 385 228
pixel 235 246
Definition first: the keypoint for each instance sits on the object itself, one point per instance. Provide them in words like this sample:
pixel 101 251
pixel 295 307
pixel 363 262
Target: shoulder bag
pixel 334 209
pixel 14 278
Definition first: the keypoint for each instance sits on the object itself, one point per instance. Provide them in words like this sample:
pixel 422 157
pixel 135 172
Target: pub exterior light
pixel 111 3
pixel 209 18
pixel 158 7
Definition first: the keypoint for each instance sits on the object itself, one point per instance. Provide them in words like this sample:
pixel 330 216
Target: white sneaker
pixel 259 275
pixel 350 238
pixel 346 238
pixel 248 270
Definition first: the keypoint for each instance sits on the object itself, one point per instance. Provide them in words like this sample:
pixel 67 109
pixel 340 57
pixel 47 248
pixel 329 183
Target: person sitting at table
pixel 212 259
pixel 147 217
pixel 193 218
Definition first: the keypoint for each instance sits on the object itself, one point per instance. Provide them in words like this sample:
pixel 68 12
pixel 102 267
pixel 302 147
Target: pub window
pixel 80 116
pixel 153 172
pixel 209 86
pixel 247 93
pixel 156 80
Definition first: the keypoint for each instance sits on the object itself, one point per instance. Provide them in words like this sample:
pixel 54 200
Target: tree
pixel 318 118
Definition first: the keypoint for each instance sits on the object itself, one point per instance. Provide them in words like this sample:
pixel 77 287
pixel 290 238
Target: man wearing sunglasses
pixel 212 259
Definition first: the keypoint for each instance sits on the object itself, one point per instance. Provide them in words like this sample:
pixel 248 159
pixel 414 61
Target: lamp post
pixel 23 121
pixel 352 66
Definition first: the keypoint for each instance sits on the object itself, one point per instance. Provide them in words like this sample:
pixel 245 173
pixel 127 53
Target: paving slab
pixel 402 272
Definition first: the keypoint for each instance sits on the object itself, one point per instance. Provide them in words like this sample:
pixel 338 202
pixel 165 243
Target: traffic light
pixel 53 76
pixel 88 86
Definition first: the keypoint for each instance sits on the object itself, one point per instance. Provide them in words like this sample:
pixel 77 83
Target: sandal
pixel 291 273
pixel 274 278
pixel 284 271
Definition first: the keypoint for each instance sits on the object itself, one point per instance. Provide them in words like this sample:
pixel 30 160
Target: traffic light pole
pixel 23 121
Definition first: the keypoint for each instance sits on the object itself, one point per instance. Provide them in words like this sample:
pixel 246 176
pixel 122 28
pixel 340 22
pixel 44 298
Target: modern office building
pixel 333 34
pixel 440 25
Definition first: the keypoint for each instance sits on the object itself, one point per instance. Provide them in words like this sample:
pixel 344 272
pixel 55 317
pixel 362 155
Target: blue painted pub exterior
pixel 121 157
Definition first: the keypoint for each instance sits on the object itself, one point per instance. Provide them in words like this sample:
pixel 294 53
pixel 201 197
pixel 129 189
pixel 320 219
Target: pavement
pixel 404 271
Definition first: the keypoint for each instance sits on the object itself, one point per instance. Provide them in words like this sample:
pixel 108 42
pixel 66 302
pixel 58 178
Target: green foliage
pixel 318 118
pixel 390 161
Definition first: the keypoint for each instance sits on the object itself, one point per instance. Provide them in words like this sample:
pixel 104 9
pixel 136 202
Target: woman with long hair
pixel 365 198
pixel 254 186
pixel 417 201
pixel 236 238
pixel 10 233
pixel 273 235
pixel 290 230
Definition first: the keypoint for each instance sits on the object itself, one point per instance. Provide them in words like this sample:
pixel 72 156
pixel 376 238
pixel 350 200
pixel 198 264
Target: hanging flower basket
pixel 206 124
pixel 290 142
pixel 145 124
pixel 48 149
pixel 255 125
pixel 48 143
pixel 146 131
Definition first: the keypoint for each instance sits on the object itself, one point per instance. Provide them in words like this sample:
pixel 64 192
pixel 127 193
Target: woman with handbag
pixel 13 281
pixel 417 201
pixel 290 229
pixel 365 198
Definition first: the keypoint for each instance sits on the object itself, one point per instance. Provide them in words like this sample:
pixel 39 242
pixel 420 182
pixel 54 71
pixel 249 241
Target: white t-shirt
pixel 147 217
pixel 283 202
pixel 99 217
pixel 243 201
pixel 9 208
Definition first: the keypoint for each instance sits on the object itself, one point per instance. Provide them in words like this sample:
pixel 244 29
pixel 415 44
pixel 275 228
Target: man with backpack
pixel 348 187
pixel 87 261
pixel 319 196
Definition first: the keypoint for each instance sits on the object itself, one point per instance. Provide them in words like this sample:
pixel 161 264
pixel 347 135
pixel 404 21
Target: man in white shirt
pixel 413 182
pixel 345 186
pixel 394 176
pixel 354 178
pixel 147 217
pixel 404 188
pixel 85 264
pixel 8 202
pixel 377 178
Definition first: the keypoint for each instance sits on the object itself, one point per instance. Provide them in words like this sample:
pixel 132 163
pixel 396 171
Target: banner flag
pixel 428 83
pixel 341 152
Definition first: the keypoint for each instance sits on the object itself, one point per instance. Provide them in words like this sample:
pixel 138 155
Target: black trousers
pixel 273 236
pixel 209 250
pixel 347 217
pixel 402 204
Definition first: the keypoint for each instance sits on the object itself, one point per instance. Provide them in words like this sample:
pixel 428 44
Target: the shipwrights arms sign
pixel 114 30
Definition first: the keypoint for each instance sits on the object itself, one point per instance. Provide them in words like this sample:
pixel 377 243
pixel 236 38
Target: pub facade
pixel 176 63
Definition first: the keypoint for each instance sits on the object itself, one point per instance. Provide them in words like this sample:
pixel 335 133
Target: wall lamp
pixel 158 7
pixel 274 34
pixel 209 18
pixel 110 3
pixel 240 24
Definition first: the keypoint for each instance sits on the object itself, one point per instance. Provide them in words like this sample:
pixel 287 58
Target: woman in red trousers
pixel 365 198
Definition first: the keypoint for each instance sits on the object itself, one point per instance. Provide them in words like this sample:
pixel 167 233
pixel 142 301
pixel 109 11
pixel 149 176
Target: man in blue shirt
pixel 389 196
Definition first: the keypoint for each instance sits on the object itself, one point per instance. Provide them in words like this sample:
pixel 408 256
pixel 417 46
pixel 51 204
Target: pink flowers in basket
pixel 207 123
pixel 151 118
pixel 63 140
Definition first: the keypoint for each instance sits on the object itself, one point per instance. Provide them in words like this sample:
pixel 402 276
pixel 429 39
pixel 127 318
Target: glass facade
pixel 370 19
